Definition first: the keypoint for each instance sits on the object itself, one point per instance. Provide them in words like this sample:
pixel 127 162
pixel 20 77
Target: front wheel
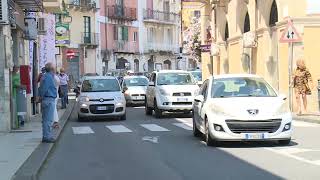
pixel 123 117
pixel 209 140
pixel 148 110
pixel 196 132
pixel 157 111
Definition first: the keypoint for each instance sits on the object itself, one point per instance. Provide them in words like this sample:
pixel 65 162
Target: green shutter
pixel 115 32
pixel 125 33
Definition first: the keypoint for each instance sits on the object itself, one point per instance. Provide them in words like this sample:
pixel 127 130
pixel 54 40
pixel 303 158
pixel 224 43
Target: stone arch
pixel 246 24
pixel 167 64
pixel 273 17
pixel 121 63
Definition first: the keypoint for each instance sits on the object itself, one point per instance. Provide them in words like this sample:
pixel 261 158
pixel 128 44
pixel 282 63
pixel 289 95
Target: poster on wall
pixel 62 34
pixel 47 42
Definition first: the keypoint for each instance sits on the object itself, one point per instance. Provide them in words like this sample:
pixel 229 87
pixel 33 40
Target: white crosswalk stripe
pixel 154 127
pixel 184 126
pixel 118 129
pixel 82 130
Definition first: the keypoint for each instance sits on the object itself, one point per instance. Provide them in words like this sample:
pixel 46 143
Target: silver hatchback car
pixel 134 89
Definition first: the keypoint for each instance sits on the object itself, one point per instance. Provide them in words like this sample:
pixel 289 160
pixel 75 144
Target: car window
pixel 241 87
pixel 100 85
pixel 135 82
pixel 175 79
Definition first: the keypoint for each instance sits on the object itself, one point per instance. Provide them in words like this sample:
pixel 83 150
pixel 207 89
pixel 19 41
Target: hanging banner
pixel 62 34
pixel 47 42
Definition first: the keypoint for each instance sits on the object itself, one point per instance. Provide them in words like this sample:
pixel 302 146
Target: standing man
pixel 16 85
pixel 48 94
pixel 64 78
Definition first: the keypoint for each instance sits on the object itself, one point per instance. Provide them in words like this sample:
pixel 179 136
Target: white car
pixel 134 89
pixel 170 90
pixel 101 96
pixel 241 108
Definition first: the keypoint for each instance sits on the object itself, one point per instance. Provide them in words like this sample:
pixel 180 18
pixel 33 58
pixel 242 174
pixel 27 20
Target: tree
pixel 192 39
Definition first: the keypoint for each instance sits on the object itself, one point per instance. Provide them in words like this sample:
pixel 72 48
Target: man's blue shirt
pixel 47 86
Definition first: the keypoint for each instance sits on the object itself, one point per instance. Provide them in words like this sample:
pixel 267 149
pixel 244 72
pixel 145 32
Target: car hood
pixel 239 106
pixel 137 89
pixel 103 95
pixel 180 88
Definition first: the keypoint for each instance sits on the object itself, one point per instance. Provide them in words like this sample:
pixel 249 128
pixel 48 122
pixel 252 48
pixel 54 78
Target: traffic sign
pixel 290 34
pixel 70 54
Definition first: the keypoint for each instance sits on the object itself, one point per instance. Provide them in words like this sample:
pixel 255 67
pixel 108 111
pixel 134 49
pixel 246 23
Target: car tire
pixel 196 132
pixel 284 142
pixel 148 110
pixel 208 139
pixel 157 111
pixel 80 119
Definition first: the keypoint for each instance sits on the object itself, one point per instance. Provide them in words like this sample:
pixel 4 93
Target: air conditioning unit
pixel 4 14
pixel 42 26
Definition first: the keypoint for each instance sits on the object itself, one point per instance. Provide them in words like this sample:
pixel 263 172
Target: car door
pixel 202 109
pixel 198 105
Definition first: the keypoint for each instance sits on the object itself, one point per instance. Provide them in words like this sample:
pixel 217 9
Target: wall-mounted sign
pixel 205 48
pixel 62 34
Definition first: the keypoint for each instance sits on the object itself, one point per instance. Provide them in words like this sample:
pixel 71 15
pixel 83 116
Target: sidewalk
pixel 312 117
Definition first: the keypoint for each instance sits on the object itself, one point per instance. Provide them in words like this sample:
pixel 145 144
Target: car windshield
pixel 241 87
pixel 175 79
pixel 135 82
pixel 197 75
pixel 100 85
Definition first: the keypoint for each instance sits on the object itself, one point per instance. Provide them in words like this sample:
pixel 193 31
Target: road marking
pixel 118 128
pixel 138 107
pixel 181 120
pixel 184 126
pixel 154 127
pixel 82 130
pixel 304 124
pixel 289 154
pixel 151 139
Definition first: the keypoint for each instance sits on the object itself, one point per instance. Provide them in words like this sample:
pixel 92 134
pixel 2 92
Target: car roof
pixel 171 71
pixel 99 77
pixel 220 76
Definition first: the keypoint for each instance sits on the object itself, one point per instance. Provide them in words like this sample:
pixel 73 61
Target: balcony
pixel 130 47
pixel 90 40
pixel 30 5
pixel 162 17
pixel 122 13
pixel 53 6
pixel 83 5
pixel 161 47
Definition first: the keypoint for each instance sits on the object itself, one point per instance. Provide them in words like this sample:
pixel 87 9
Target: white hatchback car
pixel 101 96
pixel 170 90
pixel 241 108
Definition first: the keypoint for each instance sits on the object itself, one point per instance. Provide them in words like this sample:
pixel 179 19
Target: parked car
pixel 170 90
pixel 134 89
pixel 241 108
pixel 101 96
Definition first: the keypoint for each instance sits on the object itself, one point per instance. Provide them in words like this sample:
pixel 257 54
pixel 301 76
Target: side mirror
pixel 199 98
pixel 151 83
pixel 283 97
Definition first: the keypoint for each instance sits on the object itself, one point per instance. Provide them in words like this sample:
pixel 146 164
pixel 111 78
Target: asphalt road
pixel 145 148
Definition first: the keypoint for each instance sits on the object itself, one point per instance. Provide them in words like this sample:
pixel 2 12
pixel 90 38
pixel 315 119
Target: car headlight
pixel 84 99
pixel 164 92
pixel 118 98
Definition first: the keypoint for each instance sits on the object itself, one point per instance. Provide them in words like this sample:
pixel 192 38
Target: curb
pixel 30 169
pixel 305 119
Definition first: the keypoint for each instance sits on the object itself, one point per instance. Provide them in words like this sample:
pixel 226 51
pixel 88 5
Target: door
pixel 198 106
pixel 74 69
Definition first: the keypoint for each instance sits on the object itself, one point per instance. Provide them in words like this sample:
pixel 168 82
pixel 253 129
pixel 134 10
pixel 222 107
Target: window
pixel 58 18
pixel 226 32
pixel 175 79
pixel 135 36
pixel 100 85
pixel 246 27
pixel 150 34
pixel 87 23
pixel 196 14
pixel 120 33
pixel 273 14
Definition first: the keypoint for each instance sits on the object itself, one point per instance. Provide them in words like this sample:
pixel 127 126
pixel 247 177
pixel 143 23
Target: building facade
pixel 246 40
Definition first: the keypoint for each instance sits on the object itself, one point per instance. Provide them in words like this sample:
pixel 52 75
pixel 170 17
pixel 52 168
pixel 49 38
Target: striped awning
pixel 30 5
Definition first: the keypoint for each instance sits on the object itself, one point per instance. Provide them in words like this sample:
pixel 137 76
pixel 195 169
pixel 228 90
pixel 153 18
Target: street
pixel 143 147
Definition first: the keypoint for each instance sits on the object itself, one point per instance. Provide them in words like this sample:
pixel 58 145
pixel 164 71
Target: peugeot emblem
pixel 101 100
pixel 253 111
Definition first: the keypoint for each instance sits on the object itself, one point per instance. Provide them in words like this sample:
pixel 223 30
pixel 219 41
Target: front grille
pixel 134 94
pixel 181 103
pixel 182 94
pixel 93 109
pixel 255 126
pixel 94 100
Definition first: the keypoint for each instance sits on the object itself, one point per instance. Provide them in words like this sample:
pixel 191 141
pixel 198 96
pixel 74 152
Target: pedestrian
pixel 57 84
pixel 302 84
pixel 48 94
pixel 16 85
pixel 63 88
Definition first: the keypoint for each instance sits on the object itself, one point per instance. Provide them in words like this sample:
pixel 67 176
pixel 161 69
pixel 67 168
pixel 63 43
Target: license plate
pixel 255 136
pixel 182 99
pixel 101 108
pixel 138 97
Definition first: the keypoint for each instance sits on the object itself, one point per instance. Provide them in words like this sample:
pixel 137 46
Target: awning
pixel 30 5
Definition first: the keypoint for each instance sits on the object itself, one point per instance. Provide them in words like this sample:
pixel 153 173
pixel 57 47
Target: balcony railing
pixel 125 46
pixel 84 5
pixel 157 47
pixel 160 16
pixel 90 39
pixel 121 12
pixel 32 5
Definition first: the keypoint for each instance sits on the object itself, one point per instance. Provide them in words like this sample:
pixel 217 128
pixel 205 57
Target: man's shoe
pixel 48 140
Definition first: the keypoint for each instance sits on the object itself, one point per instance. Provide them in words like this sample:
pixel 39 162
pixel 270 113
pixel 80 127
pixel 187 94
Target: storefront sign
pixel 47 42
pixel 62 34
pixel 205 48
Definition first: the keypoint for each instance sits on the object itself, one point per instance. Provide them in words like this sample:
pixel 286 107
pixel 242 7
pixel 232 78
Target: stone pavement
pixel 17 146
pixel 311 117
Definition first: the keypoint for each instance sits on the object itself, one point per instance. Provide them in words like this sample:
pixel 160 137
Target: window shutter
pixel 125 33
pixel 115 32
